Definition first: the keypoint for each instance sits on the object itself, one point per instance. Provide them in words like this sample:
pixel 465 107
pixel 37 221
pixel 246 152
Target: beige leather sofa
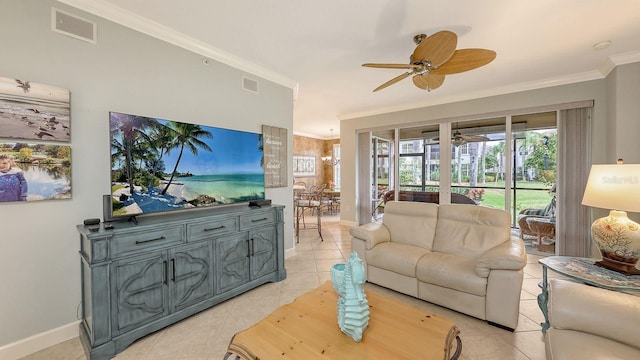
pixel 591 323
pixel 459 256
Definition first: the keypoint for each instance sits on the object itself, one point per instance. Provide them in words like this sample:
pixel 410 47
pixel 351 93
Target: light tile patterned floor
pixel 205 336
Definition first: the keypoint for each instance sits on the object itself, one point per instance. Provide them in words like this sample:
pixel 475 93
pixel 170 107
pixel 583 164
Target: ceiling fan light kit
pixel 457 139
pixel 434 57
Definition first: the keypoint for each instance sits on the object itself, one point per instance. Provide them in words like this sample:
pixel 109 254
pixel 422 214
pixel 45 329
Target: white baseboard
pixel 35 343
pixel 289 252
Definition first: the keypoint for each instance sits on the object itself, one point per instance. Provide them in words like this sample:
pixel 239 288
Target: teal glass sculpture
pixel 353 307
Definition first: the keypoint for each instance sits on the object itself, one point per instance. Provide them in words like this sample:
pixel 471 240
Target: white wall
pixel 128 72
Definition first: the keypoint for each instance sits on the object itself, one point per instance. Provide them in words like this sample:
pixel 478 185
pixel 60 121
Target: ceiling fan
pixel 458 138
pixel 434 57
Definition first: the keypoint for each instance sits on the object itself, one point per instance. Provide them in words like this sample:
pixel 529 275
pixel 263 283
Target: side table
pixel 582 270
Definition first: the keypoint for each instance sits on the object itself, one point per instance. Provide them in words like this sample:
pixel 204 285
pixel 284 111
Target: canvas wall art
pixel 275 156
pixel 304 165
pixel 32 172
pixel 34 111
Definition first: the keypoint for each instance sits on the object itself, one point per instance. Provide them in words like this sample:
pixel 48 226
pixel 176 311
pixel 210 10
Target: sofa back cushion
pixel 411 223
pixel 470 230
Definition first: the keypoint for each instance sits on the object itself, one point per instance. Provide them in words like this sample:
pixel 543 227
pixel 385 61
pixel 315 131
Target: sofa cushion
pixel 611 314
pixel 399 258
pixel 411 223
pixel 470 230
pixel 510 255
pixel 451 271
pixel 372 233
pixel 570 345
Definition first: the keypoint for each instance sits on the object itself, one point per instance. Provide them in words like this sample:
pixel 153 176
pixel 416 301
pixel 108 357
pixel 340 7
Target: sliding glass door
pixel 481 155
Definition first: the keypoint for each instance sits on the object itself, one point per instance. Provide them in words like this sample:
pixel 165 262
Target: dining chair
pixel 310 201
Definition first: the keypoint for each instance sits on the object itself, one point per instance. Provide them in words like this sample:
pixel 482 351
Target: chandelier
pixel 328 159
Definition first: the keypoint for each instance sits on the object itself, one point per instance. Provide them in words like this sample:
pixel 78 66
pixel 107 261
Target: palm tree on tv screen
pixel 187 135
pixel 131 127
pixel 161 140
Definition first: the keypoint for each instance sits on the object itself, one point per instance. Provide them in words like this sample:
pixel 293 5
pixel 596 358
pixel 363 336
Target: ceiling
pixel 317 48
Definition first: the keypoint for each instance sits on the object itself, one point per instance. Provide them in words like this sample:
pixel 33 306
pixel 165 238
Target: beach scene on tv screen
pixel 161 165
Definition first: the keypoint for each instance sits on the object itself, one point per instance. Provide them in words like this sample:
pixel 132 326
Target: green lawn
pixel 525 199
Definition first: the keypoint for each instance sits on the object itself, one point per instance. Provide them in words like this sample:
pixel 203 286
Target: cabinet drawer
pixel 259 219
pixel 207 229
pixel 145 239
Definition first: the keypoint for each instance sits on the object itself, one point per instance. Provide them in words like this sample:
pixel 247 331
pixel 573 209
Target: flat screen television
pixel 161 165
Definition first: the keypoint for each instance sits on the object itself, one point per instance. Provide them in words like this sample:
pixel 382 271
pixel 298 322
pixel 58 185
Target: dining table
pixel 333 195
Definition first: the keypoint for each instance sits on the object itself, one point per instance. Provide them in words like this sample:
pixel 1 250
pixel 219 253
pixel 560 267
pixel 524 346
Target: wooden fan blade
pixel 437 48
pixel 392 81
pixel 428 81
pixel 465 60
pixel 392 66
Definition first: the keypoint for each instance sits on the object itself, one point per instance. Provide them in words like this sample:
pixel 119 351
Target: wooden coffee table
pixel 308 329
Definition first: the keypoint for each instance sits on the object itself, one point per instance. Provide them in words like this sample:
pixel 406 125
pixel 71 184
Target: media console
pixel 137 279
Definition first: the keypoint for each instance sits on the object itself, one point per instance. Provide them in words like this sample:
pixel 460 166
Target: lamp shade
pixel 613 187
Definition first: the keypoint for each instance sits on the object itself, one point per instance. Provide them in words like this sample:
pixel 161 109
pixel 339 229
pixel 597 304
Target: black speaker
pixel 260 203
pixel 106 208
pixel 91 221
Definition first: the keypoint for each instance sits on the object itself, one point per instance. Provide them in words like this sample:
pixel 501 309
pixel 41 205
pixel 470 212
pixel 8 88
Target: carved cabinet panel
pixel 140 285
pixel 263 251
pixel 190 274
pixel 232 261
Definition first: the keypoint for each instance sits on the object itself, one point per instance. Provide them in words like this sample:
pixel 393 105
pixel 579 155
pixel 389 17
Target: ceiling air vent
pixel 72 25
pixel 250 85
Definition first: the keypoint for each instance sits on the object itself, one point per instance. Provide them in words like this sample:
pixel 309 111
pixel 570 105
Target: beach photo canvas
pixel 34 111
pixel 160 165
pixel 32 172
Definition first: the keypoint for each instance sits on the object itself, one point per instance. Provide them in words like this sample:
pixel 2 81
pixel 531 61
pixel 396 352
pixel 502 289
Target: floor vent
pixel 72 25
pixel 249 85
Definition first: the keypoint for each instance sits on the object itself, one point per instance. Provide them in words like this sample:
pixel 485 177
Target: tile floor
pixel 206 335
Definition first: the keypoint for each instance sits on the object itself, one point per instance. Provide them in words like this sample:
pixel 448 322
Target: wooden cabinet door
pixel 263 251
pixel 189 274
pixel 140 295
pixel 231 261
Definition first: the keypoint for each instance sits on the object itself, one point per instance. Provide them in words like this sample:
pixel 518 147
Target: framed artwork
pixel 31 172
pixel 34 111
pixel 304 165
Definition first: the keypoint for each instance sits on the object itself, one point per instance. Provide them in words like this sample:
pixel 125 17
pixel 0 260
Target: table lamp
pixel 616 188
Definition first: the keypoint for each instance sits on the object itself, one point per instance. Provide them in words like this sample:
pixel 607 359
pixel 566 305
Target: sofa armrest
pixel 510 255
pixel 606 313
pixel 372 233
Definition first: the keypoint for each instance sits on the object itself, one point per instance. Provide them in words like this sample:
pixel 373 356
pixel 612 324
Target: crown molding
pixel 502 90
pixel 125 18
pixel 617 60
pixel 625 58
pixel 313 136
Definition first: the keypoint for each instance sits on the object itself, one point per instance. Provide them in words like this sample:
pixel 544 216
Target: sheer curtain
pixel 573 236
